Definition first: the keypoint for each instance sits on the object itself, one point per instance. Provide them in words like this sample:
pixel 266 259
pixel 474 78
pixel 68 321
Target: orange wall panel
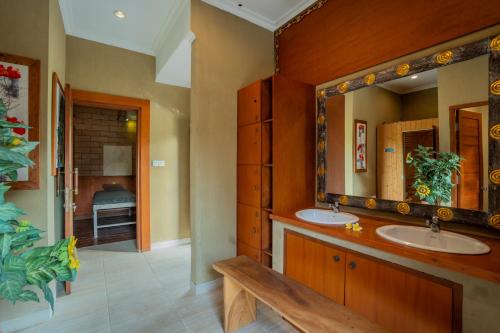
pixel 344 37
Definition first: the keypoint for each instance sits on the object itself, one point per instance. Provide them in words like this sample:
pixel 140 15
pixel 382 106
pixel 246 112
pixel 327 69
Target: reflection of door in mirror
pixel 411 140
pixel 394 142
pixel 467 140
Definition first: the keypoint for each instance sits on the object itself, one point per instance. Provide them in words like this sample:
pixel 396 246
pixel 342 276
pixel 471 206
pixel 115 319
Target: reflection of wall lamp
pixel 126 116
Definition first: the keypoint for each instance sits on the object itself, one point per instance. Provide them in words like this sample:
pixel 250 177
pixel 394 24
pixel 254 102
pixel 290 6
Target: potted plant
pixel 433 174
pixel 21 264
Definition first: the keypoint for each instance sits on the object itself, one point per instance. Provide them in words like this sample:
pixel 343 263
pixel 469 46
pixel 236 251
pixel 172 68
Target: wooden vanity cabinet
pixel 397 298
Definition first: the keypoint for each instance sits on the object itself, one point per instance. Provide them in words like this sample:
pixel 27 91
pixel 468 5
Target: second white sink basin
pixel 424 238
pixel 323 216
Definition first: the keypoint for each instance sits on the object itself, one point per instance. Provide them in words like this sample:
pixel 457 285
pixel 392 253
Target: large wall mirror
pixel 420 138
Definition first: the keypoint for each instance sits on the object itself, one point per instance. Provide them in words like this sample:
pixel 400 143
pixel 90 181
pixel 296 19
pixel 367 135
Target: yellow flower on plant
pixel 74 263
pixel 357 227
pixel 423 190
pixel 15 142
pixel 348 226
pixel 24 225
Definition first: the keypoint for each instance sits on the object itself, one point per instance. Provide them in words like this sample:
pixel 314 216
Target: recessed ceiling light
pixel 120 14
pixel 413 77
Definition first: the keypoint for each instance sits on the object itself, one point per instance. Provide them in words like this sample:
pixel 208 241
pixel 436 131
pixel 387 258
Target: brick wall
pixel 94 128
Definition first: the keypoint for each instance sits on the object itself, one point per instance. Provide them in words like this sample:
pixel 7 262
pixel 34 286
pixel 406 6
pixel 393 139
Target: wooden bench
pixel 246 280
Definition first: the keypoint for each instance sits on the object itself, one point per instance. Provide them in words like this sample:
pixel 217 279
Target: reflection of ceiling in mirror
pixel 408 84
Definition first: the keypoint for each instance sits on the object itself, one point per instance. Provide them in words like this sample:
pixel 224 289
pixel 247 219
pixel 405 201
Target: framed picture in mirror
pixel 360 145
pixel 432 125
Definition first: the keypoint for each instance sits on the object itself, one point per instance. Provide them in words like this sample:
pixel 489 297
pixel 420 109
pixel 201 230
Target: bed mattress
pixel 113 197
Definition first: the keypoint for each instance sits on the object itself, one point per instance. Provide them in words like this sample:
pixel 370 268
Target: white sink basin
pixel 424 238
pixel 323 216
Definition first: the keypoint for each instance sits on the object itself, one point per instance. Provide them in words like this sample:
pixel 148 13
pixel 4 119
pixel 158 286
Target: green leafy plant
pixel 433 174
pixel 21 264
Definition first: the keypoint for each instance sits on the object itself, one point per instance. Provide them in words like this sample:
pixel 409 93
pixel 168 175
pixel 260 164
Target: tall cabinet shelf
pixel 275 132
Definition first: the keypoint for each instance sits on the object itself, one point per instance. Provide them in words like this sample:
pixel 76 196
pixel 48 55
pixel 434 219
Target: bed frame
pixel 97 208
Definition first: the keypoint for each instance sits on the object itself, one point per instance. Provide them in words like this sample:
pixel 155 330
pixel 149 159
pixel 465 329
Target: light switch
pixel 158 163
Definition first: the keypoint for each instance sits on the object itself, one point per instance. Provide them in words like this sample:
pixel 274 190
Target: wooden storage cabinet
pixel 276 166
pixel 255 171
pixel 397 298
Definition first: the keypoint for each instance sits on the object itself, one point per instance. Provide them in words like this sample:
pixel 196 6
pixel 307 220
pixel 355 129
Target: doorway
pixel 468 140
pixel 104 160
pixel 134 115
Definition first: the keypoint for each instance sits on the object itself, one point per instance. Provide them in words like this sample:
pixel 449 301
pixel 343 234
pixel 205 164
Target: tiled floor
pixel 149 292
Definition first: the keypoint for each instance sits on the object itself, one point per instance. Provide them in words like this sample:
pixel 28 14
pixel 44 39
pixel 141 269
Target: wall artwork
pixel 360 145
pixel 19 95
pixel 58 122
pixel 117 160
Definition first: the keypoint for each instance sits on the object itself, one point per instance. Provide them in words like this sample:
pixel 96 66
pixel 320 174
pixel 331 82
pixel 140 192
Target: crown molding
pixel 294 11
pixel 243 13
pixel 114 42
pixel 257 18
pixel 168 25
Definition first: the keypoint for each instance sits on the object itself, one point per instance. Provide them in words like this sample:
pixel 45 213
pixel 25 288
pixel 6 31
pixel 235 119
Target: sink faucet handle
pixel 433 223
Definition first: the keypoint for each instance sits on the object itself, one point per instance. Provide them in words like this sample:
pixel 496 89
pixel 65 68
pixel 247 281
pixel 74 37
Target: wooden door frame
pixel 142 107
pixel 453 143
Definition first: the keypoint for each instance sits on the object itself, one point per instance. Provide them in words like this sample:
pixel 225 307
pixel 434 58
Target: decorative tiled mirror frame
pixel 490 219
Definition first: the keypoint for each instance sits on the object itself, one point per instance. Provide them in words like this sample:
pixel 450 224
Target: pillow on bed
pixel 112 187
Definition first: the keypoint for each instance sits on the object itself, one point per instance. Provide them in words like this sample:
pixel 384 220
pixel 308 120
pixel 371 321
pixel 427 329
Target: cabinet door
pixel 246 250
pixel 249 185
pixel 399 300
pixel 249 225
pixel 250 144
pixel 316 265
pixel 249 104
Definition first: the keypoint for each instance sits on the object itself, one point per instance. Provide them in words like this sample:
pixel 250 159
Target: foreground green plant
pixel 433 171
pixel 21 264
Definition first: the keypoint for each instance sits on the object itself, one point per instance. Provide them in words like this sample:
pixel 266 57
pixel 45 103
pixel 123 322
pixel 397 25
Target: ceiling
pixel 161 28
pixel 142 30
pixel 405 85
pixel 269 14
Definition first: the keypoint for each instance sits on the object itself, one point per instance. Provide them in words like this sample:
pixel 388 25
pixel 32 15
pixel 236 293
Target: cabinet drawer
pixel 250 144
pixel 249 185
pixel 249 104
pixel 249 225
pixel 246 250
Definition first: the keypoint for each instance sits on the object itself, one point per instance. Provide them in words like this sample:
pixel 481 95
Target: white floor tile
pixel 130 292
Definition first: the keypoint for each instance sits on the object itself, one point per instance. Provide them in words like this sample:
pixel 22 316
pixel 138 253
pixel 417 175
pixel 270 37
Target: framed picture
pixel 20 92
pixel 58 122
pixel 360 145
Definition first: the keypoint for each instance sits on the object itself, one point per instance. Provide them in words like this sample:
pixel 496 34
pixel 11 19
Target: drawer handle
pixel 336 258
pixel 256 188
pixel 255 101
pixel 352 265
pixel 254 230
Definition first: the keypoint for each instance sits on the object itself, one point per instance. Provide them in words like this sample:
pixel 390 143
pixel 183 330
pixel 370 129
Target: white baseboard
pixel 205 287
pixel 170 243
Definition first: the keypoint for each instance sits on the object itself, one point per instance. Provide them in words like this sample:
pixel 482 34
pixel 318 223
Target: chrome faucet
pixel 434 224
pixel 335 207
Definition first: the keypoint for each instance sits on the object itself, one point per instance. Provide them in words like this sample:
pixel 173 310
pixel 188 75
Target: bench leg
pixel 239 306
pixel 95 223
